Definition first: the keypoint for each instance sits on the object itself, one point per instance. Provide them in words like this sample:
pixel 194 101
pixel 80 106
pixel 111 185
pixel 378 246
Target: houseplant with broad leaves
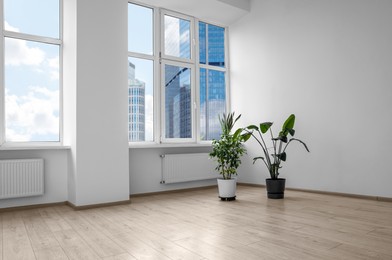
pixel 273 156
pixel 227 152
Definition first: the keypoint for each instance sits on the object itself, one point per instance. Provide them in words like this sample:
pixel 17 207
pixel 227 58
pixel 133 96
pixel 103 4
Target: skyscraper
pixel 136 103
pixel 212 82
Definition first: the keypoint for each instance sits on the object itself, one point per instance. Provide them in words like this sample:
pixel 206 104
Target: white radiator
pixel 187 167
pixel 21 178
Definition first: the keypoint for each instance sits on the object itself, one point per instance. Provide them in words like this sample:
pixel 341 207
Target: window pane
pixel 216 46
pixel 177 37
pixel 203 104
pixel 141 100
pixel 140 29
pixel 212 103
pixel 178 114
pixel 38 17
pixel 202 43
pixel 31 91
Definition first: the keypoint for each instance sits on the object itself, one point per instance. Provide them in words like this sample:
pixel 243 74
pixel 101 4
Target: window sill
pixel 26 148
pixel 167 145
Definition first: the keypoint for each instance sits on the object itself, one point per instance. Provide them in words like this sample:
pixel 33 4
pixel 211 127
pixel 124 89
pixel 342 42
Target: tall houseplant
pixel 227 152
pixel 273 156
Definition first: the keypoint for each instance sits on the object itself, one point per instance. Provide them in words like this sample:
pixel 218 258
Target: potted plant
pixel 273 156
pixel 227 152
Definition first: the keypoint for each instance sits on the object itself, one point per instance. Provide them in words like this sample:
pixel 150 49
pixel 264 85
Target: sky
pixel 31 72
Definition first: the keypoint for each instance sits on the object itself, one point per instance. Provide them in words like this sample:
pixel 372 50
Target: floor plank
pixel 16 242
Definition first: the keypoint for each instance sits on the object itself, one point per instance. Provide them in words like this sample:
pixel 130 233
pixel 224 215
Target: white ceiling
pixel 223 12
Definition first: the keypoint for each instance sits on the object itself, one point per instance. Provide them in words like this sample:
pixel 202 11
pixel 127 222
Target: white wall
pixel 330 63
pixel 96 102
pixel 56 167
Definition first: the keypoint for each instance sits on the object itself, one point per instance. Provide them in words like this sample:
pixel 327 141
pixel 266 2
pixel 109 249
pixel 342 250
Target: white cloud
pixel 54 65
pixel 8 27
pixel 17 52
pixel 33 114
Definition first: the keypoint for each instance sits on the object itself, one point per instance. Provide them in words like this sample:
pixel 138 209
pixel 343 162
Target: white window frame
pixel 199 66
pixel 156 73
pixel 160 59
pixel 34 38
pixel 192 36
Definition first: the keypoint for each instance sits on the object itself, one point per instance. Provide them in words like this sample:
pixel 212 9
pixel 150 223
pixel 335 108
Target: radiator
pixel 187 167
pixel 21 178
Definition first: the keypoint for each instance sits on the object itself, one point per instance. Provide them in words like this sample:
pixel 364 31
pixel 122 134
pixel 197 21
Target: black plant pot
pixel 275 188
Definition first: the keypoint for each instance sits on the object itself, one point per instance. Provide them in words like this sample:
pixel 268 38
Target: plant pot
pixel 227 188
pixel 275 188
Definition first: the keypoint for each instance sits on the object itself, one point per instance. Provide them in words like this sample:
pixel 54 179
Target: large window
pixel 190 77
pixel 31 84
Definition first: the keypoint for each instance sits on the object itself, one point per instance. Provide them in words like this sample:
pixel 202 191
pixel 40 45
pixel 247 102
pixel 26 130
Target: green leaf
pixel 253 127
pixel 245 137
pixel 237 133
pixel 282 156
pixel 265 126
pixel 289 123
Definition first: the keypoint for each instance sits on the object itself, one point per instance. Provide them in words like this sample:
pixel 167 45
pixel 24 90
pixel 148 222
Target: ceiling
pixel 223 12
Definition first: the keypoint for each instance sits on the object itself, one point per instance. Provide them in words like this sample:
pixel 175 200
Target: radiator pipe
pixel 162 180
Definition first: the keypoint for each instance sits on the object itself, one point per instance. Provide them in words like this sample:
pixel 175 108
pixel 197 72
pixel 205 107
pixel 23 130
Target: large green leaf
pixel 289 123
pixel 265 126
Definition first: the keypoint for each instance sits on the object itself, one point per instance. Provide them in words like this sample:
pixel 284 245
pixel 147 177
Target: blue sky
pixel 31 72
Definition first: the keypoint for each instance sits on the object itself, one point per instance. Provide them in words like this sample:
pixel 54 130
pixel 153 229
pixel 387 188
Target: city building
pixel 136 110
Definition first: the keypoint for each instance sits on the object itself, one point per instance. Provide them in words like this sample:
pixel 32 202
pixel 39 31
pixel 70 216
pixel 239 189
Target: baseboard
pixel 332 193
pixel 100 205
pixel 171 191
pixel 36 206
pixel 67 203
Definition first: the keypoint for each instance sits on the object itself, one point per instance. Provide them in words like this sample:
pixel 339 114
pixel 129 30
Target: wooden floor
pixel 197 225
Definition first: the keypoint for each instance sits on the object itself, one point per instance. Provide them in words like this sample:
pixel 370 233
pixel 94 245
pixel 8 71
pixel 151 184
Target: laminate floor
pixel 197 225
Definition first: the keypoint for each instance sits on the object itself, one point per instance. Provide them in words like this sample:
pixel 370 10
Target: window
pixel 188 67
pixel 31 70
pixel 212 79
pixel 141 59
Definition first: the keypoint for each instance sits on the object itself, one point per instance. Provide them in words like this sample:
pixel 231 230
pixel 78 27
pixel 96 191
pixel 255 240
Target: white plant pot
pixel 227 188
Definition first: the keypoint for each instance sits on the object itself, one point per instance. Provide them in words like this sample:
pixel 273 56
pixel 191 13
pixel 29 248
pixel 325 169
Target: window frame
pixel 156 74
pixel 192 35
pixel 163 138
pixel 34 38
pixel 208 67
pixel 160 60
